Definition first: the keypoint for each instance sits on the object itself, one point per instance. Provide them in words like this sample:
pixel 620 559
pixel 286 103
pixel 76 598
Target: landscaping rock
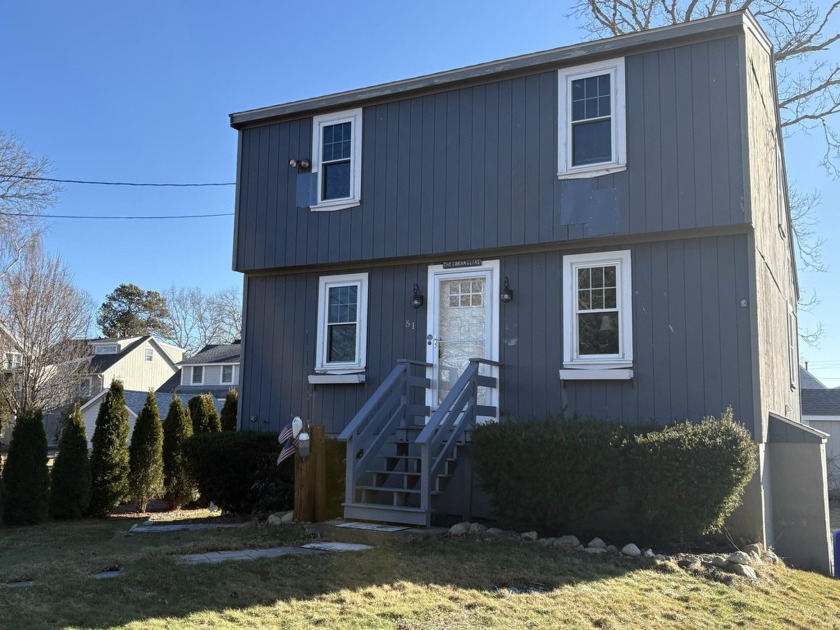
pixel 529 536
pixel 567 542
pixel 739 557
pixel 770 557
pixel 281 518
pixel 744 570
pixel 594 550
pixel 631 550
pixel 598 543
pixel 495 531
pixel 755 548
pixel 460 529
pixel 477 529
pixel 659 556
pixel 612 548
pixel 648 553
pixel 689 562
pixel 288 517
pixel 547 542
pixel 719 561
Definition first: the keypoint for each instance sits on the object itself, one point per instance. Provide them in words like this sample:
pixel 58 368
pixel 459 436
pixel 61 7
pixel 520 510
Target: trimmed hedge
pixel 685 480
pixel 677 482
pixel 238 471
pixel 546 474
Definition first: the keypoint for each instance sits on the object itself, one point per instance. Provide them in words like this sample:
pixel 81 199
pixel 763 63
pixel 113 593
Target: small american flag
pixel 285 434
pixel 287 451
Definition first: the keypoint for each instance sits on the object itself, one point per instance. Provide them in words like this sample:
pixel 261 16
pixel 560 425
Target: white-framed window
pixel 84 387
pixel 197 375
pixel 106 349
pixel 781 197
pixel 342 323
pixel 337 159
pixel 12 360
pixel 149 354
pixel 597 311
pixel 227 374
pixel 592 120
pixel 793 353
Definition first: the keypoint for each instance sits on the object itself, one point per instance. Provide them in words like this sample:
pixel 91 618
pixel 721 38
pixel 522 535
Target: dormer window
pixel 337 159
pixel 197 375
pixel 149 354
pixel 110 348
pixel 227 374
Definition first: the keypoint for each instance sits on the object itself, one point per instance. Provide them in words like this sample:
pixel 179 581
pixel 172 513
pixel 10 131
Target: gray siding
pixel 691 339
pixel 475 168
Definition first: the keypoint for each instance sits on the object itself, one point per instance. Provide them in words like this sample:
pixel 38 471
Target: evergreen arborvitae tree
pixel 205 418
pixel 145 479
pixel 178 484
pixel 109 456
pixel 229 411
pixel 70 488
pixel 25 477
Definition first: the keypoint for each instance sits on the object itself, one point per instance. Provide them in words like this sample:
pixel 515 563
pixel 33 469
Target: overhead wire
pixel 104 183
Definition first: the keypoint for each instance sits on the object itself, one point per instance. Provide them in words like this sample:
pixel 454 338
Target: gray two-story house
pixel 601 228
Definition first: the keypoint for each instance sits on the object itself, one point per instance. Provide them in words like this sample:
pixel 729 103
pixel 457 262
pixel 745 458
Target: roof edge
pixel 572 53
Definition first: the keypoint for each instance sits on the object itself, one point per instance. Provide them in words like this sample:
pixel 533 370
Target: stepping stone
pixel 337 546
pixel 20 584
pixel 186 527
pixel 105 575
pixel 374 527
pixel 215 557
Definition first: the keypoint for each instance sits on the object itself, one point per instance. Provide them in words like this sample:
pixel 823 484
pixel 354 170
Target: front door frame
pixel 490 268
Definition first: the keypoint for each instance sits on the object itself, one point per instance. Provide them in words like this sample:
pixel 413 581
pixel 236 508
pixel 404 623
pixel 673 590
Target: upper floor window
pixel 84 387
pixel 227 374
pixel 592 129
pixel 149 354
pixel 106 349
pixel 197 375
pixel 12 360
pixel 342 323
pixel 597 311
pixel 337 159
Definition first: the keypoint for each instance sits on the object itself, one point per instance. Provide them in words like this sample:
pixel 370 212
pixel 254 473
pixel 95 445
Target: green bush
pixel 686 479
pixel 71 481
pixel 145 456
pixel 229 411
pixel 179 487
pixel 109 455
pixel 239 472
pixel 546 474
pixel 25 476
pixel 204 415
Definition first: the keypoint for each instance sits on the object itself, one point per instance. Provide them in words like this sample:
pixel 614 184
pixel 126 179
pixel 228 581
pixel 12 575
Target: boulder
pixel 460 529
pixel 659 556
pixel 631 550
pixel 281 518
pixel 719 561
pixel 598 543
pixel 477 528
pixel 743 570
pixel 690 562
pixel 495 531
pixel 770 557
pixel 739 557
pixel 529 536
pixel 547 542
pixel 648 553
pixel 612 548
pixel 755 548
pixel 567 542
pixel 594 550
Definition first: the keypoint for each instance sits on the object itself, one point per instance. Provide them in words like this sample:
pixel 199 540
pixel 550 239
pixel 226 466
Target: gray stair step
pixel 397 490
pixel 385 514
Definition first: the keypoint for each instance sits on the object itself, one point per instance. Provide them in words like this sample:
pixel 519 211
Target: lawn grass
pixel 439 583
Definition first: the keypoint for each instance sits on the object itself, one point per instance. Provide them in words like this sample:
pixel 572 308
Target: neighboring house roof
pixel 808 380
pixel 173 385
pixel 135 401
pixel 820 402
pixel 101 362
pixel 215 353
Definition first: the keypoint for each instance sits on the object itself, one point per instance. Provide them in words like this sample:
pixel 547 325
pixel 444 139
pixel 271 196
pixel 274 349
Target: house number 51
pixel 410 324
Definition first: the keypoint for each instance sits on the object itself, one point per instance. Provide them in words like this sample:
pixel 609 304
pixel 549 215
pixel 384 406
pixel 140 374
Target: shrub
pixel 25 476
pixel 239 472
pixel 179 486
pixel 145 456
pixel 546 474
pixel 204 415
pixel 229 411
pixel 686 479
pixel 71 481
pixel 109 455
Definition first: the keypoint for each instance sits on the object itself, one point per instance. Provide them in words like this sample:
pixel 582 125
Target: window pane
pixel 604 106
pixel 337 142
pixel 343 302
pixel 227 373
pixel 583 278
pixel 609 298
pixel 609 276
pixel 341 343
pixel 597 277
pixel 197 374
pixel 591 142
pixel 598 333
pixel 603 84
pixel 584 300
pixel 336 183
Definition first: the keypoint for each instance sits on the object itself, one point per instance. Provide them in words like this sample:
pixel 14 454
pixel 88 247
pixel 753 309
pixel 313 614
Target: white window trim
pixel 624 296
pixel 354 117
pixel 232 374
pixel 781 196
pixel 324 285
pixel 149 355
pixel 565 76
pixel 192 375
pixel 793 350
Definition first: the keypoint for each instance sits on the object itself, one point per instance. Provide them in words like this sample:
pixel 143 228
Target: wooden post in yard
pixel 310 480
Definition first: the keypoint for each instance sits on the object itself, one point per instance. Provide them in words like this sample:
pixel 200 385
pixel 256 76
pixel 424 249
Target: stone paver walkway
pixel 146 528
pixel 214 557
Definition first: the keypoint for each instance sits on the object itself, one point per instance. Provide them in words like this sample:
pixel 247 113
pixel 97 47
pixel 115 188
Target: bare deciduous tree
pixel 23 197
pixel 43 316
pixel 197 319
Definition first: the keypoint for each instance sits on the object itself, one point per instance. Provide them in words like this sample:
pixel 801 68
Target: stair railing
pixel 447 425
pixel 390 407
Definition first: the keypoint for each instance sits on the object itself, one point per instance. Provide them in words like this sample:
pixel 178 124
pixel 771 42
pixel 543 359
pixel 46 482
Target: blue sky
pixel 140 92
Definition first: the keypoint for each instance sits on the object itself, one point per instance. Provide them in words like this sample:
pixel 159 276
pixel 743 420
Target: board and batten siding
pixel 691 339
pixel 89 418
pixel 212 376
pixel 830 425
pixel 136 373
pixel 475 168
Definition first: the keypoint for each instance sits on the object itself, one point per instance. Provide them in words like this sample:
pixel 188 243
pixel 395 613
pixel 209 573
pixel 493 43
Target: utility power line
pixel 99 183
pixel 116 218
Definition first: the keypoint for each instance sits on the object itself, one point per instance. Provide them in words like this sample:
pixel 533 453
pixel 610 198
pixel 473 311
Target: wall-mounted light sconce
pixel 303 164
pixel 417 297
pixel 507 293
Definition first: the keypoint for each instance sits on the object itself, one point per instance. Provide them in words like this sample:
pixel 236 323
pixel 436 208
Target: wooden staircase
pixel 398 464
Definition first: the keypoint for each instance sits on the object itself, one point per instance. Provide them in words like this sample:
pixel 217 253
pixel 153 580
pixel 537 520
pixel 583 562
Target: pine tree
pixel 178 484
pixel 229 411
pixel 205 418
pixel 71 482
pixel 109 456
pixel 25 476
pixel 145 480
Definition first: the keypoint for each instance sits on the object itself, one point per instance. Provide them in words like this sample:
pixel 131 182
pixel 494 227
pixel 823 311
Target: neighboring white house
pixel 213 370
pixel 134 402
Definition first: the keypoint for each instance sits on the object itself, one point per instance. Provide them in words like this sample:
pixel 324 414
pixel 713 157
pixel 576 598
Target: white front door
pixel 463 323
